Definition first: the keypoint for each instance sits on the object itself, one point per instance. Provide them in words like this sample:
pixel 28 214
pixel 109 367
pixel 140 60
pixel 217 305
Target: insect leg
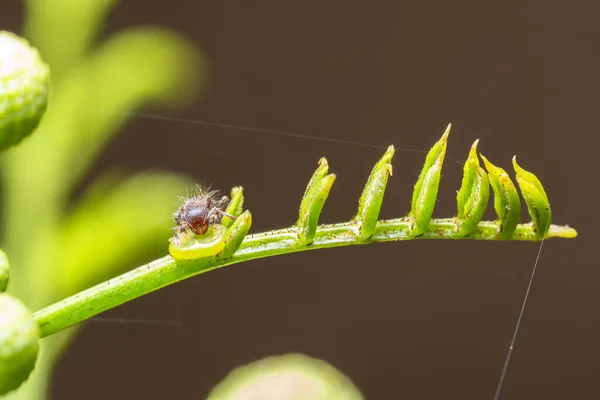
pixel 224 214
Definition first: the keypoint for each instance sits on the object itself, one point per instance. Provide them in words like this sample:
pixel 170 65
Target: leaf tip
pixel 516 166
pixel 563 232
pixel 473 151
pixel 446 133
pixel 487 163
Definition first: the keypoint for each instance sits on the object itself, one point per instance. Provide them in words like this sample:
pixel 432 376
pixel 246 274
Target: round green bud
pixel 19 336
pixel 24 89
pixel 290 377
pixel 3 271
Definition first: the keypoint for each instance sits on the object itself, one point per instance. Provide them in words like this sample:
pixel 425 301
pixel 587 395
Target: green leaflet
pixel 506 199
pixel 426 188
pixel 370 201
pixel 474 194
pixel 235 206
pixel 198 246
pixel 313 201
pixel 236 234
pixel 535 199
pixel 4 271
pixel 319 173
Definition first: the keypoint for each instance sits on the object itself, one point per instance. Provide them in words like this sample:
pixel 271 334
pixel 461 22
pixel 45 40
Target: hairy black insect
pixel 199 212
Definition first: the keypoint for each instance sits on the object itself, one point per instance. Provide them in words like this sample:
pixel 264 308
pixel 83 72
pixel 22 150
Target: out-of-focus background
pixel 418 320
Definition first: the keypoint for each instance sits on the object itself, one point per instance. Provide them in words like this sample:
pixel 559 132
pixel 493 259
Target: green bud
pixel 426 188
pixel 235 205
pixel 19 335
pixel 370 201
pixel 290 377
pixel 535 199
pixel 4 269
pixel 236 234
pixel 319 173
pixel 313 201
pixel 506 199
pixel 24 89
pixel 474 194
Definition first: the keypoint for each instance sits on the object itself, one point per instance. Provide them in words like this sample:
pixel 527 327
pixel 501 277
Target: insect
pixel 199 212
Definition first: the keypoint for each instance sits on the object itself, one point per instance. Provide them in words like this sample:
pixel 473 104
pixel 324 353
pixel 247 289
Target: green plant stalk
pixel 166 271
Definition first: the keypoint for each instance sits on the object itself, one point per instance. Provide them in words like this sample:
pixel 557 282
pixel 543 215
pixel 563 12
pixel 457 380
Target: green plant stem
pixel 166 271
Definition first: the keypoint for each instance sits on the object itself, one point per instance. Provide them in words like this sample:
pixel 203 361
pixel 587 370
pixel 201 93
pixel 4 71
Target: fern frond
pixel 229 243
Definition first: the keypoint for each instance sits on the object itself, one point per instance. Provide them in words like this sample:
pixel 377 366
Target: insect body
pixel 199 212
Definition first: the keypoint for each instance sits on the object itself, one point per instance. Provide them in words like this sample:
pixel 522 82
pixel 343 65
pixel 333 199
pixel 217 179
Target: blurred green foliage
pixel 58 247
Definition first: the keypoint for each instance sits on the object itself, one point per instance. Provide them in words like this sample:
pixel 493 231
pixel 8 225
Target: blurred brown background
pixel 414 320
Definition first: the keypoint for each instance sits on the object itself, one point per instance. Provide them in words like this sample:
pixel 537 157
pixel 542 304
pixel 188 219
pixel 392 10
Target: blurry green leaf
pixel 64 30
pixel 111 231
pixel 290 377
pixel 144 64
pixel 133 68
